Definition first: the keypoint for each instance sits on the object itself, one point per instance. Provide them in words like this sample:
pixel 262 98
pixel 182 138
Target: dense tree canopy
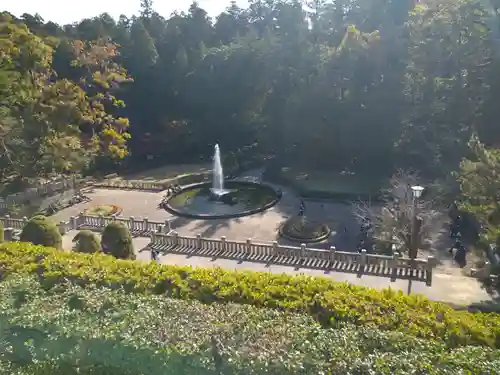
pixel 335 84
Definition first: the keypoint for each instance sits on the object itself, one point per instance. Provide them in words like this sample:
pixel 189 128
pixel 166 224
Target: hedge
pixel 68 329
pixel 327 301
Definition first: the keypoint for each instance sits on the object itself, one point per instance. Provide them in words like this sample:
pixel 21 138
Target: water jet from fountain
pixel 218 175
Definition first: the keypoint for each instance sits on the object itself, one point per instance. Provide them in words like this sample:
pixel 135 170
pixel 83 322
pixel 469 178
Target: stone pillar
pixel 8 224
pixel 198 241
pixel 132 223
pixel 302 255
pixel 275 249
pixel 8 234
pixel 249 246
pixel 175 238
pixel 223 243
pixel 362 262
pixel 431 262
pixel 145 222
pixel 62 228
pixel 167 226
pixel 101 221
pixel 72 222
pixel 333 250
pixel 394 265
pixel 25 220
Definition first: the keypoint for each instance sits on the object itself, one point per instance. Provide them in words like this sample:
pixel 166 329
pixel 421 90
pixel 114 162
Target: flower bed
pixel 327 301
pixel 301 229
pixel 103 209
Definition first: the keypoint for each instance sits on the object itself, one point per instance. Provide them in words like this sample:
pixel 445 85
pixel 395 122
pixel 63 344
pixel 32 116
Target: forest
pixel 368 85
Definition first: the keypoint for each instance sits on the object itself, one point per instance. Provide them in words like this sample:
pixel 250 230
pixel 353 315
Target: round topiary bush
pixel 86 242
pixel 117 241
pixel 41 231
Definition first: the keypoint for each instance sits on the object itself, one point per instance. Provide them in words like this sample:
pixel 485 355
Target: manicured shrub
pixel 86 242
pixel 54 324
pixel 117 241
pixel 328 302
pixel 40 230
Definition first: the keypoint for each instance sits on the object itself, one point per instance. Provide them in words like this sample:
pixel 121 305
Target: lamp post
pixel 416 224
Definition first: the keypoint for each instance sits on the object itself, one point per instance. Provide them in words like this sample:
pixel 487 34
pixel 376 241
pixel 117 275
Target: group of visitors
pixel 172 189
pixel 79 197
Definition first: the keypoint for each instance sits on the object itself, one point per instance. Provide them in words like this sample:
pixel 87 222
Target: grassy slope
pixel 101 331
pixel 325 300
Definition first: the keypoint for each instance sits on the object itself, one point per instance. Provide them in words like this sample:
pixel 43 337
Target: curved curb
pixel 323 237
pixel 228 184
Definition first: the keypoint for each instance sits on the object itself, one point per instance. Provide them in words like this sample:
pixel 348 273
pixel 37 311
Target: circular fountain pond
pixel 239 198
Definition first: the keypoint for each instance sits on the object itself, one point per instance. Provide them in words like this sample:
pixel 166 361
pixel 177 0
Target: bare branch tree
pixel 399 220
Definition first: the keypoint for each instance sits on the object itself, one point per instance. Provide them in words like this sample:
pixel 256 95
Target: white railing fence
pixel 163 239
pixel 363 263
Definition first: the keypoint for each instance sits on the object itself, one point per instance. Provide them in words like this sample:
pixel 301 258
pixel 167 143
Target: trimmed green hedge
pixel 67 329
pixel 327 301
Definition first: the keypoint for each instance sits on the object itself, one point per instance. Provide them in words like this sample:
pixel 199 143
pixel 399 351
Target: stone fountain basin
pixel 242 198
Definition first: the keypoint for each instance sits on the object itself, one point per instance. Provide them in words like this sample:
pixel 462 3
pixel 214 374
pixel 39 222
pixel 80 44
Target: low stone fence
pixel 137 226
pixel 163 239
pixel 394 267
pixel 116 183
pixel 131 184
pixel 43 190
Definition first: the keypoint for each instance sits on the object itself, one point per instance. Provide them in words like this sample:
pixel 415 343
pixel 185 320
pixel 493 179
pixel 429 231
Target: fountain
pixel 221 199
pixel 218 175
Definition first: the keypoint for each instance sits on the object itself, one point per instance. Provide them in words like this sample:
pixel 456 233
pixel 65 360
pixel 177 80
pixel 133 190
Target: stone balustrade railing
pixel 164 239
pixel 275 253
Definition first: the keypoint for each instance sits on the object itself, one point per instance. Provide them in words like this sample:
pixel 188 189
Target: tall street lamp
pixel 416 223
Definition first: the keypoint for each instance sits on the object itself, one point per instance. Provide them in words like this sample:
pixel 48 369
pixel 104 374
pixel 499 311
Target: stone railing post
pixel 275 249
pixel 145 222
pixel 131 221
pixel 198 241
pixel 167 226
pixel 249 246
pixel 62 228
pixel 8 224
pixel 431 262
pixel 223 243
pixel 175 238
pixel 8 234
pixel 394 265
pixel 152 237
pixel 362 262
pixel 333 250
pixel 25 221
pixel 302 255
pixel 73 223
pixel 102 221
pixel 159 230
